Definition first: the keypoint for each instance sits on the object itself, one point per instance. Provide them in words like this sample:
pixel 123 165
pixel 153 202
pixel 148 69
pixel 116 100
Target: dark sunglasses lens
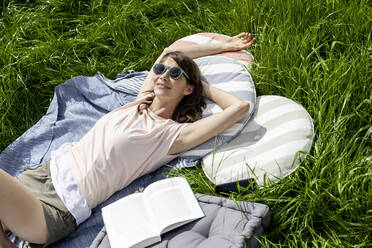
pixel 175 72
pixel 159 69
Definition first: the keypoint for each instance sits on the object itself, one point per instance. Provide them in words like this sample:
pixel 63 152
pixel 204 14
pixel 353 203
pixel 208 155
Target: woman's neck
pixel 163 108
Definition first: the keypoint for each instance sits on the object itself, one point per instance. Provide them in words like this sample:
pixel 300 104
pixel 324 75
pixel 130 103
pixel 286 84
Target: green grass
pixel 317 53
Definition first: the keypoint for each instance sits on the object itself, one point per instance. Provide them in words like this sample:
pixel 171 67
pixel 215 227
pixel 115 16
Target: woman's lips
pixel 162 86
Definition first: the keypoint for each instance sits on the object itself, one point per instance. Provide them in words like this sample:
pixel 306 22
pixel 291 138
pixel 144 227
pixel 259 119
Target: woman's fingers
pixel 241 41
pixel 248 37
pixel 244 37
pixel 251 42
pixel 241 35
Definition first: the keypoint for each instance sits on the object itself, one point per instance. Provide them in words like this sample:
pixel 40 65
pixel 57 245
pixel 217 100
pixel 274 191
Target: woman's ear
pixel 189 90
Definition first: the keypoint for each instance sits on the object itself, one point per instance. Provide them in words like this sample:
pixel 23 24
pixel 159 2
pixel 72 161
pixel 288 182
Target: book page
pixel 172 201
pixel 127 221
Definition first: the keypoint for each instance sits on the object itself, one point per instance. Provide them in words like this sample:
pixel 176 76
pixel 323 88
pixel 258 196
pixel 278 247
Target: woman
pixel 47 203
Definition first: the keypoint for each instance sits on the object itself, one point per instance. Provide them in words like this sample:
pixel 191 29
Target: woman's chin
pixel 162 92
pixel 166 94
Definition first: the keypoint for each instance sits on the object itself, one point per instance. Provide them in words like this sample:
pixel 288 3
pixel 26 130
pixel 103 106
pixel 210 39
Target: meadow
pixel 316 52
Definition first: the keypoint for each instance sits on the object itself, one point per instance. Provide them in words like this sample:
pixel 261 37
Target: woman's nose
pixel 165 75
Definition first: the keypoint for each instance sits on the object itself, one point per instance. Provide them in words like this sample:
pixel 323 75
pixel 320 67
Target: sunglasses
pixel 175 72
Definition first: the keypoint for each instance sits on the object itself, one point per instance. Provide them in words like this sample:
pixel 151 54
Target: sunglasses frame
pixel 168 68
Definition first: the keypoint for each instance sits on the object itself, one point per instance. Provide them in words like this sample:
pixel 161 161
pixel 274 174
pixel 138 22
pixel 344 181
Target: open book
pixel 139 219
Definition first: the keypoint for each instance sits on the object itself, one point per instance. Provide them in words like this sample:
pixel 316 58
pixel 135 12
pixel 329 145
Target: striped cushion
pixel 226 71
pixel 271 145
pixel 229 75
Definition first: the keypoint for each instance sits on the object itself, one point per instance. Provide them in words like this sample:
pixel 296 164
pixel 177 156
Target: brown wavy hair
pixel 190 108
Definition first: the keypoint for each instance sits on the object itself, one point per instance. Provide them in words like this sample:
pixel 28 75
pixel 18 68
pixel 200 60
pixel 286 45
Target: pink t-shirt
pixel 122 146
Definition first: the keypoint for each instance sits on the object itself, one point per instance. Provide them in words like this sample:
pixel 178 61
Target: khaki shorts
pixel 59 220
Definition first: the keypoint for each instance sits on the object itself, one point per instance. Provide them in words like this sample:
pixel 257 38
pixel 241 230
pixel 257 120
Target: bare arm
pixel 148 84
pixel 235 43
pixel 234 109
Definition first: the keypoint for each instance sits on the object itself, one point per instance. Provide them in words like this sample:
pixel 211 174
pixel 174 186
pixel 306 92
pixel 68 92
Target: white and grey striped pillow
pixel 229 75
pixel 228 71
pixel 271 145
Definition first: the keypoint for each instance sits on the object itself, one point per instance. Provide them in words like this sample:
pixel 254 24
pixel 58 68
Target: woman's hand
pixel 205 90
pixel 239 42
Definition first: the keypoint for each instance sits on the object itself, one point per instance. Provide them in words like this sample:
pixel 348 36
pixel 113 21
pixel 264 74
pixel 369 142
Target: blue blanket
pixel 76 106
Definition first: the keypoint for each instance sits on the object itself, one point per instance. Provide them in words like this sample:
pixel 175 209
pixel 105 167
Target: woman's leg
pixel 4 241
pixel 20 211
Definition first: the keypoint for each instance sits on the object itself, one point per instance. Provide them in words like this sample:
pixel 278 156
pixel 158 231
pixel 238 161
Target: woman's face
pixel 169 88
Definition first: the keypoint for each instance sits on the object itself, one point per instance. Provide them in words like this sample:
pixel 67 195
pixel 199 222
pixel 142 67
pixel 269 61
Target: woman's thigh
pixel 20 211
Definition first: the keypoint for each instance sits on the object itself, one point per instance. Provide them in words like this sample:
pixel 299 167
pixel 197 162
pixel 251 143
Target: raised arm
pixel 235 43
pixel 148 84
pixel 234 109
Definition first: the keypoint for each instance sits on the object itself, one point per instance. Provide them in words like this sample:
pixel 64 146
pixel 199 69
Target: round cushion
pixel 270 146
pixel 226 71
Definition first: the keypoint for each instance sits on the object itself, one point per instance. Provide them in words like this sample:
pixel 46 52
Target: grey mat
pixel 227 223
